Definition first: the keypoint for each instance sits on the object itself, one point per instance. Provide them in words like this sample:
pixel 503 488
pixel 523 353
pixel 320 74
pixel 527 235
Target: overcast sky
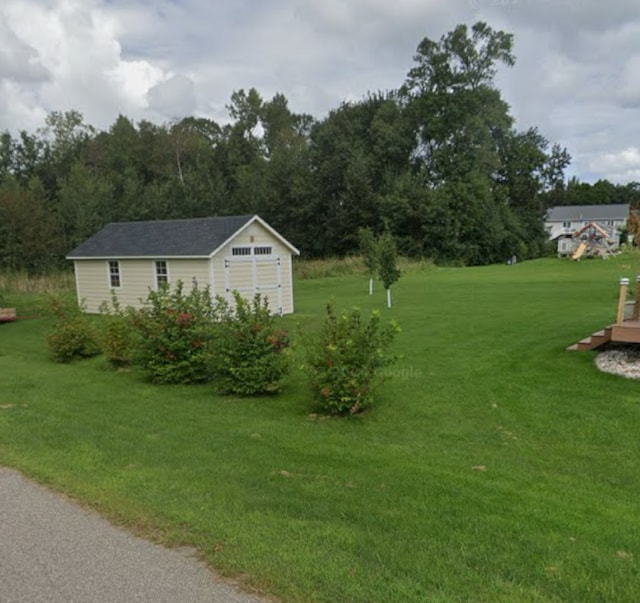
pixel 577 74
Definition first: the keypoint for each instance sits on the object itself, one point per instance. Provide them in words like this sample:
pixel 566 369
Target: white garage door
pixel 249 271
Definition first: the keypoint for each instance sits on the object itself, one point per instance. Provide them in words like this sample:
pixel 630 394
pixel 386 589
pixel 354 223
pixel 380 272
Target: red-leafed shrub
pixel 72 336
pixel 250 355
pixel 173 331
pixel 344 360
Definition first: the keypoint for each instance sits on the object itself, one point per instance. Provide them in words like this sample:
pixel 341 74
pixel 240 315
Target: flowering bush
pixel 344 359
pixel 72 335
pixel 117 333
pixel 173 332
pixel 251 355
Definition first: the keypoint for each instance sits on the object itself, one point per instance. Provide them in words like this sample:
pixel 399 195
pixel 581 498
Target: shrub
pixel 251 351
pixel 117 337
pixel 72 336
pixel 344 359
pixel 369 248
pixel 173 331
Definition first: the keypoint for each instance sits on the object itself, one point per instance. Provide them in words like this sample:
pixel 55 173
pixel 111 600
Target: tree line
pixel 437 163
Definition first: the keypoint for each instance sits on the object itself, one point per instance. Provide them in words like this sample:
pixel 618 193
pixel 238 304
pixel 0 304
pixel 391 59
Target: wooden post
pixel 636 300
pixel 624 283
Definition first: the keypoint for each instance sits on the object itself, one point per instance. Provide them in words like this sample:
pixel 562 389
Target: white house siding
pixel 241 274
pixel 556 229
pixel 567 245
pixel 137 277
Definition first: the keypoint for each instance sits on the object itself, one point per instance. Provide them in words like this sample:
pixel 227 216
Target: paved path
pixel 53 551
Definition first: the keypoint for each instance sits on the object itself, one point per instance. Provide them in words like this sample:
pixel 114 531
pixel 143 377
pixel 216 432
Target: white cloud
pixel 575 76
pixel 133 80
pixel 175 96
pixel 20 106
pixel 18 60
pixel 628 91
pixel 75 44
pixel 623 165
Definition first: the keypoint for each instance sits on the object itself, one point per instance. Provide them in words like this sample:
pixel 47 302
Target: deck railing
pixel 636 300
pixel 622 298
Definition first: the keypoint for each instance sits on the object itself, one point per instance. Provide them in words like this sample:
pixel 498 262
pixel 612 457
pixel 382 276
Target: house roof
pixel 197 237
pixel 588 213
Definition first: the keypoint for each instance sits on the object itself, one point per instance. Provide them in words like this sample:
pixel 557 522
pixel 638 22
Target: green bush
pixel 72 335
pixel 172 335
pixel 117 336
pixel 251 354
pixel 344 359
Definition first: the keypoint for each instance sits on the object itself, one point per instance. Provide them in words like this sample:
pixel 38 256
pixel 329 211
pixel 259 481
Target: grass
pixel 31 293
pixel 495 466
pixel 350 265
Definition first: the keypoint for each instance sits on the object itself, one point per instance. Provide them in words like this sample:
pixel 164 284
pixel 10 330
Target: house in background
pixel 564 223
pixel 240 253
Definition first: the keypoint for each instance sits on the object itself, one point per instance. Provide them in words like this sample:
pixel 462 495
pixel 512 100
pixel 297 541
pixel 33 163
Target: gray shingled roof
pixel 160 238
pixel 588 213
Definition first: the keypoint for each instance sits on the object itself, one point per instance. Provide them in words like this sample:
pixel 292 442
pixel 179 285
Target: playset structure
pixel 625 329
pixel 592 241
pixel 562 221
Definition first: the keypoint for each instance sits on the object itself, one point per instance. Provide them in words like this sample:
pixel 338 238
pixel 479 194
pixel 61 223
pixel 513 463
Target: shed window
pixel 264 250
pixel 162 274
pixel 114 274
pixel 241 251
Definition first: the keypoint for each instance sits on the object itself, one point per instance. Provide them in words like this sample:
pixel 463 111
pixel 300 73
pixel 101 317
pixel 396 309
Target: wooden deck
pixel 627 332
pixel 625 329
pixel 8 315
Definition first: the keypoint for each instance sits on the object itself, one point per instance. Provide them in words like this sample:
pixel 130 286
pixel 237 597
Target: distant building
pixel 566 223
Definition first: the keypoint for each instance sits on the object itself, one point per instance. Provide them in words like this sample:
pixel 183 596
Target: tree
pixel 356 154
pixel 484 178
pixel 387 262
pixel 459 118
pixel 455 107
pixel 369 252
pixel 286 193
pixel 437 162
pixel 83 203
pixel 28 236
pixel 7 153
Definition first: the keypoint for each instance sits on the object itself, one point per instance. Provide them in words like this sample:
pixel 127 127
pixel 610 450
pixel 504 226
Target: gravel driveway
pixel 54 551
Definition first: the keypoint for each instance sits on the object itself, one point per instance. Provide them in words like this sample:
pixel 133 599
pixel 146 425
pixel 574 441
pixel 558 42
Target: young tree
pixel 387 262
pixel 369 252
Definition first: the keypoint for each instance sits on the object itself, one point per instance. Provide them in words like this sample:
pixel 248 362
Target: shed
pixel 229 253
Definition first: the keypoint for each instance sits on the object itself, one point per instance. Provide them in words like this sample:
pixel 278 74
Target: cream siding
pixel 255 235
pixel 137 277
pixel 186 270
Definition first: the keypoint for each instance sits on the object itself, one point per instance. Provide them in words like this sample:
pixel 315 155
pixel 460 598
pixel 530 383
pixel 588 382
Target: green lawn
pixel 386 506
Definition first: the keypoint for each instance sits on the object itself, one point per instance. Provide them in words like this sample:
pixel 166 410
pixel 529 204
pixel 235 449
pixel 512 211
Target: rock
pixel 623 361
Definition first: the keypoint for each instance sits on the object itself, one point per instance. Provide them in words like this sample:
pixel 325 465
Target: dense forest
pixel 437 162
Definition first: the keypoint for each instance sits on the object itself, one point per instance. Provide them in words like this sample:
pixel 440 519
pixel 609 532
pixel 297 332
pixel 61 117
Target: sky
pixel 576 77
